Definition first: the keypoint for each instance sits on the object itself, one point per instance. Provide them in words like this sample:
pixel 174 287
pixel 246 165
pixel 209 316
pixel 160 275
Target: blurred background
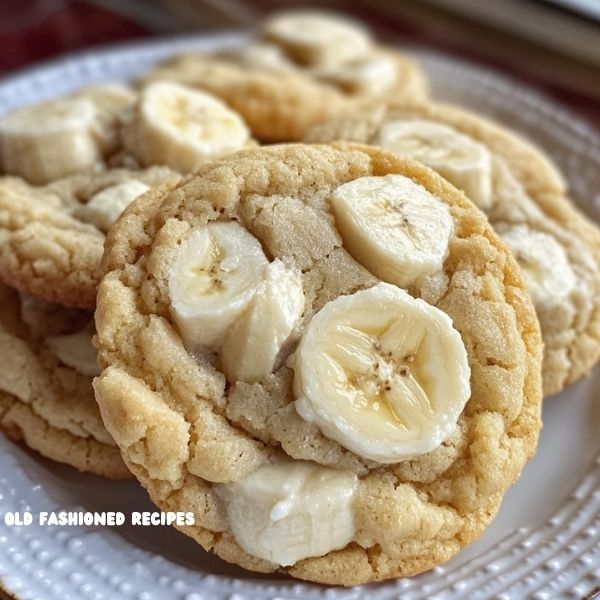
pixel 553 45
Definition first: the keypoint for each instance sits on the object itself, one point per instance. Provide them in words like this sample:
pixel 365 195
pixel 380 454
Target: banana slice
pixel 393 226
pixel 317 39
pixel 217 271
pixel 104 208
pixel 287 511
pixel 180 127
pixel 465 163
pixel 50 140
pixel 252 346
pixel 382 373
pixel 548 273
pixel 76 350
pixel 370 74
pixel 261 55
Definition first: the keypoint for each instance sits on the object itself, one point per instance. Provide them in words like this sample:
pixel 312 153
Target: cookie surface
pixel 43 402
pixel 52 236
pixel 408 515
pixel 528 195
pixel 282 86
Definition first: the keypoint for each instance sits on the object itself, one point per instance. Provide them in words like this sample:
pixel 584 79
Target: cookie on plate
pixel 525 199
pixel 300 69
pixel 326 354
pixel 46 395
pixel 52 236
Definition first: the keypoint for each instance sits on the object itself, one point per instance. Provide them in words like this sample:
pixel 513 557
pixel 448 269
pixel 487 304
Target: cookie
pixel 52 236
pixel 302 68
pixel 44 402
pixel 268 372
pixel 525 199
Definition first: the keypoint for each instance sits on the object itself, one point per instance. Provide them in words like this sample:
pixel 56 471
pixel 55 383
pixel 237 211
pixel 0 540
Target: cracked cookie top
pixel 224 297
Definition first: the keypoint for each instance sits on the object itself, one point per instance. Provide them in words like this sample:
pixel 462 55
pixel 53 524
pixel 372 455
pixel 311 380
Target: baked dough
pixel 47 405
pixel 181 427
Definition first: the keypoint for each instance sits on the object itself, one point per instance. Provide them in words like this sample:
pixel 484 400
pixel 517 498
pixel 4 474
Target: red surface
pixel 34 30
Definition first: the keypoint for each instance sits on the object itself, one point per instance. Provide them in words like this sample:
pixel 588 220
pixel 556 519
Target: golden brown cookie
pixel 221 300
pixel 291 77
pixel 525 201
pixel 52 236
pixel 45 403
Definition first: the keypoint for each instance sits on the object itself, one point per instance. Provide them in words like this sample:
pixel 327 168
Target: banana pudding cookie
pixel 52 236
pixel 46 395
pixel 326 354
pixel 525 199
pixel 300 69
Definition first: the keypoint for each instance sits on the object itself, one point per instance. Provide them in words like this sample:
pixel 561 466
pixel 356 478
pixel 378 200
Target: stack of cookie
pixel 329 350
pixel 72 165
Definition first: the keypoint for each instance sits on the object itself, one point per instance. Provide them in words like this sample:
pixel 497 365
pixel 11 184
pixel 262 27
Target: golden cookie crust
pixel 180 427
pixel 280 106
pixel 45 250
pixel 528 189
pixel 43 403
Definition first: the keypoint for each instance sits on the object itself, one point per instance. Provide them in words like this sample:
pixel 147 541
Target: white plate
pixel 544 544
